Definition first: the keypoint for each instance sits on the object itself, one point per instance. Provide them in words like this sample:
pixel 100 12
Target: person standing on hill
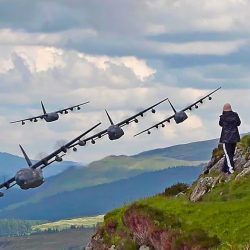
pixel 229 121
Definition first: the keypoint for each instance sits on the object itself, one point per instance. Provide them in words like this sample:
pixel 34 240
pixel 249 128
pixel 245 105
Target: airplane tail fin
pixel 172 106
pixel 109 117
pixel 26 156
pixel 44 110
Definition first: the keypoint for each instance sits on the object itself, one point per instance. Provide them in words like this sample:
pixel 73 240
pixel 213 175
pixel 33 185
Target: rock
pixel 96 243
pixel 203 186
pixel 143 247
pixel 243 173
pixel 181 194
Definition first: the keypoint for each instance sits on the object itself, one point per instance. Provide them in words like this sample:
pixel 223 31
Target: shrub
pixel 245 143
pixel 176 189
pixel 197 239
pixel 218 153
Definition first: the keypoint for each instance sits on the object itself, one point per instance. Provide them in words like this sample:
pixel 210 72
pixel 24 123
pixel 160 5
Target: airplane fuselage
pixel 51 117
pixel 29 178
pixel 180 117
pixel 115 132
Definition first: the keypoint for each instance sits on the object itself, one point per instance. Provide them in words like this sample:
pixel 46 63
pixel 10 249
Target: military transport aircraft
pixel 52 116
pixel 180 116
pixel 32 176
pixel 115 131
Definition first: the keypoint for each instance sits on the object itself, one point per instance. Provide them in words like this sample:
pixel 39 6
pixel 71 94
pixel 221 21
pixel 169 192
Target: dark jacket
pixel 229 121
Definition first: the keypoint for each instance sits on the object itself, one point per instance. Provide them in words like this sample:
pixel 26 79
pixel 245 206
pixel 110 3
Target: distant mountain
pixel 10 164
pixel 195 151
pixel 107 170
pixel 102 198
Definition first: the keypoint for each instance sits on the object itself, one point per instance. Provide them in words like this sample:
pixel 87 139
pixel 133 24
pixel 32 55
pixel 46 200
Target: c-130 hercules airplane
pixel 32 176
pixel 115 131
pixel 179 116
pixel 52 116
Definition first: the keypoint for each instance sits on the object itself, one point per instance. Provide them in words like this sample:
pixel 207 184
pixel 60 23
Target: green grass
pixel 86 222
pixel 113 168
pixel 225 213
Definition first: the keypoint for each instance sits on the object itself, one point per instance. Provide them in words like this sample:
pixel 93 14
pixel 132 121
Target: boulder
pixel 203 186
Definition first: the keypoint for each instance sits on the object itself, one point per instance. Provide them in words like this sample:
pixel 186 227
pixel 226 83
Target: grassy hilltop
pixel 219 219
pixel 223 215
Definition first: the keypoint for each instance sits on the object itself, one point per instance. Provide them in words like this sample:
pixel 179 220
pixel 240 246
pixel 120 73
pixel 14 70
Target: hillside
pixel 194 151
pixel 84 222
pixel 212 213
pixel 107 170
pixel 101 198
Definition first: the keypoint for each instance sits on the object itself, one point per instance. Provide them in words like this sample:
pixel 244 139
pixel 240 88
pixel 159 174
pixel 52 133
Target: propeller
pixel 41 155
pixel 82 143
pixel 60 144
pixel 58 158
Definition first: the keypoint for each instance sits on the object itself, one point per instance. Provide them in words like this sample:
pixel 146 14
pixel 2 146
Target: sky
pixel 122 56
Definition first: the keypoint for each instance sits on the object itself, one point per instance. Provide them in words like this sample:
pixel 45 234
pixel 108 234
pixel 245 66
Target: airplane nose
pixel 20 181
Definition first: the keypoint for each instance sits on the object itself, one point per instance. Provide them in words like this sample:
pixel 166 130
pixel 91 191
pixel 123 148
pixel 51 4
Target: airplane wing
pixel 91 138
pixel 48 159
pixel 195 104
pixel 32 119
pixel 65 111
pixel 141 113
pixel 120 124
pixel 53 156
pixel 161 123
pixel 200 101
pixel 7 184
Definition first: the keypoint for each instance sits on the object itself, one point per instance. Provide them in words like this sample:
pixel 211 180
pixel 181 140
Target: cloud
pixel 123 56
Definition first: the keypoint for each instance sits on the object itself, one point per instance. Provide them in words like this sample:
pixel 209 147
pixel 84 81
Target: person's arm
pixel 221 121
pixel 238 121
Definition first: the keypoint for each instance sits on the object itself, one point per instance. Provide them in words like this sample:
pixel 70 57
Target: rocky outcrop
pixel 146 228
pixel 203 186
pixel 213 174
pixel 149 229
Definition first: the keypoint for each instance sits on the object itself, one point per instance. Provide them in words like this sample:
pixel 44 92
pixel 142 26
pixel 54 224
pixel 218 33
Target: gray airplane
pixel 52 116
pixel 32 176
pixel 115 131
pixel 180 116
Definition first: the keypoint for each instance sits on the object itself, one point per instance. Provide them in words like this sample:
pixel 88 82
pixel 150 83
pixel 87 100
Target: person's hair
pixel 227 107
